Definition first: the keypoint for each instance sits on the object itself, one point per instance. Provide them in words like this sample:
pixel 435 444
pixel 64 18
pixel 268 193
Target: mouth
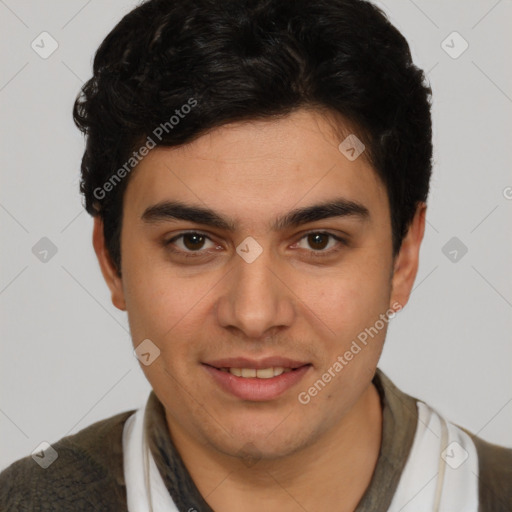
pixel 256 381
pixel 263 373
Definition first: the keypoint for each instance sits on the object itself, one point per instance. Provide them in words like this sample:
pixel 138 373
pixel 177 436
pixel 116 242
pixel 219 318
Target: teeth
pixel 263 373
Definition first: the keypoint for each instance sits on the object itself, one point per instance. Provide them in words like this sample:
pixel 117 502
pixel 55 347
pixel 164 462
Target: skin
pixel 290 301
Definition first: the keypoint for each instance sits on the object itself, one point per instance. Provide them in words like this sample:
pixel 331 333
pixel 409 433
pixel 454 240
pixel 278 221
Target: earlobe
pixel 407 261
pixel 108 269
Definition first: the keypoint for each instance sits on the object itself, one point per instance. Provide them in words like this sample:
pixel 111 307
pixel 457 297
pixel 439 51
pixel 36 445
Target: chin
pixel 272 441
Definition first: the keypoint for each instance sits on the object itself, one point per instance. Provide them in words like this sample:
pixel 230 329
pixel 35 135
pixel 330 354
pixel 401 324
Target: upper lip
pixel 267 362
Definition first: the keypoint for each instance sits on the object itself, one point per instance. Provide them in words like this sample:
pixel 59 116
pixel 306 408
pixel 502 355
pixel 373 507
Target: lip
pixel 252 388
pixel 267 362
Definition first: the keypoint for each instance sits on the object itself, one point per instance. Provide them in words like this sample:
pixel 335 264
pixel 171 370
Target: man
pixel 258 172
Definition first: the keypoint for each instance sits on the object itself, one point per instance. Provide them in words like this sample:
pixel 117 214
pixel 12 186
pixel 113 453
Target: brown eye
pixel 193 241
pixel 320 242
pixel 189 244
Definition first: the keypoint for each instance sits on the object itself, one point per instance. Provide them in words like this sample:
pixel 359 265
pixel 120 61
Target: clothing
pixel 432 486
pixel 89 473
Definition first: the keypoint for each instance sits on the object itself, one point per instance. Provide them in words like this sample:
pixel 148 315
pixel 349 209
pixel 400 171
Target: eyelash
pixel 201 253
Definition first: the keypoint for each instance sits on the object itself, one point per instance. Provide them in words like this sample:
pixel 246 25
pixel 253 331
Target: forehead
pixel 252 171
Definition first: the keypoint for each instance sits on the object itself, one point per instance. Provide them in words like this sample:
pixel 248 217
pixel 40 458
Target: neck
pixel 332 473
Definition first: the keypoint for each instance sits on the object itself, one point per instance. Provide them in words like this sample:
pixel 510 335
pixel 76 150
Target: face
pixel 253 289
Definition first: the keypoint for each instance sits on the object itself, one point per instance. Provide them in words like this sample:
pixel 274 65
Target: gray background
pixel 66 357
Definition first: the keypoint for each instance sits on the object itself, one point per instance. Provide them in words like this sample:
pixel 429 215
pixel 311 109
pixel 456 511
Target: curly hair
pixel 253 59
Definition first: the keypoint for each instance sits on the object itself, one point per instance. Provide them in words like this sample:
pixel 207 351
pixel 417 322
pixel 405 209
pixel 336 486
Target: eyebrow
pixel 178 210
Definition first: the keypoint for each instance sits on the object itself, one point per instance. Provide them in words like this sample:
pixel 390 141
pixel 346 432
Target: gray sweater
pixel 88 473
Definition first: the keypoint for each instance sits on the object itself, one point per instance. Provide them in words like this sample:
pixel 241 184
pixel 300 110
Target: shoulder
pixel 492 470
pixel 494 474
pixel 86 475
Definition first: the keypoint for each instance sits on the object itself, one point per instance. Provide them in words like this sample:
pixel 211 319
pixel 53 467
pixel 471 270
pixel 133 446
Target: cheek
pixel 164 304
pixel 346 301
pixel 158 307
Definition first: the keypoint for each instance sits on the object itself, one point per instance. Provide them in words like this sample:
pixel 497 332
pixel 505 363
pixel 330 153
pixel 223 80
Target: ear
pixel 108 269
pixel 407 260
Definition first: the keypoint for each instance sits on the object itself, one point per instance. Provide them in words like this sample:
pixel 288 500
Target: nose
pixel 256 299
